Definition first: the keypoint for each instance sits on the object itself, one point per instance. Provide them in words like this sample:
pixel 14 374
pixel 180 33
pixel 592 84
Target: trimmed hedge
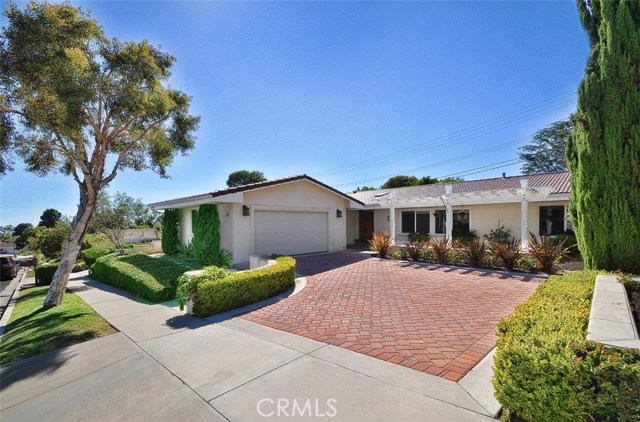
pixel 545 370
pixel 92 254
pixel 44 274
pixel 238 289
pixel 154 279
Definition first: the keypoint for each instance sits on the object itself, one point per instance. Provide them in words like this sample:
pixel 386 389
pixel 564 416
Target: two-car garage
pixel 290 232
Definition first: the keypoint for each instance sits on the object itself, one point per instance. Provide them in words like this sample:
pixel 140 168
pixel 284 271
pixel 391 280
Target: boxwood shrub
pixel 154 279
pixel 44 273
pixel 211 296
pixel 90 255
pixel 545 370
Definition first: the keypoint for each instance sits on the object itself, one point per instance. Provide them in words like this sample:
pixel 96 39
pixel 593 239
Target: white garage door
pixel 290 233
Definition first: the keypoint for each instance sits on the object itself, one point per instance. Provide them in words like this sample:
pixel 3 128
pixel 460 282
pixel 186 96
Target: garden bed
pixel 33 330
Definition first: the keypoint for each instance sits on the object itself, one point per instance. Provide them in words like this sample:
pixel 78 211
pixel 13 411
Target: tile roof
pixel 253 186
pixel 559 181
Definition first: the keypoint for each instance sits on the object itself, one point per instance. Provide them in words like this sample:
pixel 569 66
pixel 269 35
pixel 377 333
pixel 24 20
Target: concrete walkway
pixel 167 365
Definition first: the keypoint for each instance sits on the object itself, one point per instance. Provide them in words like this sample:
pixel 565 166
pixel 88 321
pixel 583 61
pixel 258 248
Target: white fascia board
pixel 353 205
pixel 237 197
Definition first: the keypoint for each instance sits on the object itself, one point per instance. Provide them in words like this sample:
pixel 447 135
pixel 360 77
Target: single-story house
pixel 301 215
pixel 8 248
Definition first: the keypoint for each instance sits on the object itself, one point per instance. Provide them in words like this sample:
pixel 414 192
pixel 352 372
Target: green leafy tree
pixel 6 232
pixel 170 234
pixel 206 234
pixel 400 181
pixel 49 241
pixel 364 188
pixel 116 213
pixel 603 152
pixel 17 231
pixel 451 179
pixel 86 105
pixel 546 152
pixel 25 237
pixel 50 217
pixel 427 180
pixel 245 177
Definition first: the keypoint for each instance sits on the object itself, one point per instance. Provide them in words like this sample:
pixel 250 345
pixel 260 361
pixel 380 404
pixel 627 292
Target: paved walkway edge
pixel 12 302
pixel 479 386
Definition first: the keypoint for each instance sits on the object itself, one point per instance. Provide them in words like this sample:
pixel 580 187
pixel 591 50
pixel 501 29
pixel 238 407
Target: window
pixel 422 222
pixel 415 221
pixel 408 222
pixel 441 217
pixel 551 220
pixel 461 223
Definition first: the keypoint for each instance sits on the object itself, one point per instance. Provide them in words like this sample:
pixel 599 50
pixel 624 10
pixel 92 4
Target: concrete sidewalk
pixel 167 365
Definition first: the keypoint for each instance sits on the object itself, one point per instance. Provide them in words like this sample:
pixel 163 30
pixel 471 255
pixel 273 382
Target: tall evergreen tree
pixel 206 234
pixel 603 153
pixel 170 231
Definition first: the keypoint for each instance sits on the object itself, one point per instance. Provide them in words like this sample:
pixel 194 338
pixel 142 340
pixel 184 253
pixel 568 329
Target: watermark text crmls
pixel 297 407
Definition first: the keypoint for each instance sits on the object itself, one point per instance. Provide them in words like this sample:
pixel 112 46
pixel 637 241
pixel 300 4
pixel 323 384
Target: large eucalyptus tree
pixel 74 101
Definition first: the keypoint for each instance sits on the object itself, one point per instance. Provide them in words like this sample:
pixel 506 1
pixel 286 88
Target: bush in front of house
pixel 547 252
pixel 92 254
pixel 381 244
pixel 154 279
pixel 170 237
pixel 206 234
pixel 508 253
pixel 545 370
pixel 212 294
pixel 441 250
pixel 44 273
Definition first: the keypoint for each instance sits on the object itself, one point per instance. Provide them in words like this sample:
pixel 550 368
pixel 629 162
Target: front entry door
pixel 366 225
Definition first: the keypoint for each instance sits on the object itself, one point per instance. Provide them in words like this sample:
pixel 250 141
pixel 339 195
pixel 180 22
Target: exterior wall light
pixel 246 211
pixel 339 213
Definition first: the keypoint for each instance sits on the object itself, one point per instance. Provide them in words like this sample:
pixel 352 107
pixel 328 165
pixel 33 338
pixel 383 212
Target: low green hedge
pixel 92 254
pixel 154 279
pixel 238 289
pixel 44 274
pixel 545 370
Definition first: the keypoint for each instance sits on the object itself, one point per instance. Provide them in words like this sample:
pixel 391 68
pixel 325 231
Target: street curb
pixel 12 301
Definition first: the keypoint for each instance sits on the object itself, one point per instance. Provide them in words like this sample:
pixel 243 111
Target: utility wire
pixel 473 132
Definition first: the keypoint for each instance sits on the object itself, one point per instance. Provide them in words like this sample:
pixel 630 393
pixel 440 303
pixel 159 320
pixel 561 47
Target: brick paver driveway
pixel 433 319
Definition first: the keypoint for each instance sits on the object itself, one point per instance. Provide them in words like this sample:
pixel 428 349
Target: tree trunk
pixel 71 248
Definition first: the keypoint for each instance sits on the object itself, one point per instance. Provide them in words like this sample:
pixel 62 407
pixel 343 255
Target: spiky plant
pixel 507 253
pixel 547 252
pixel 441 248
pixel 475 251
pixel 381 243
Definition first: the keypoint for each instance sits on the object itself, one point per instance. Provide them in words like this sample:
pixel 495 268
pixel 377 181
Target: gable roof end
pixel 250 187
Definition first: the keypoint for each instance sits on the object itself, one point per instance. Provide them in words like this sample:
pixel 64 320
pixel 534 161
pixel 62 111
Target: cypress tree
pixel 206 234
pixel 603 153
pixel 170 235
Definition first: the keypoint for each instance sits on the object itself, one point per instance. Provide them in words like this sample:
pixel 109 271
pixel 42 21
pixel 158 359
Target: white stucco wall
pixel 380 221
pixel 186 233
pixel 353 226
pixel 482 218
pixel 300 195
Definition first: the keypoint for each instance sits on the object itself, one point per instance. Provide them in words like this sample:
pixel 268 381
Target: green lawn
pixel 32 330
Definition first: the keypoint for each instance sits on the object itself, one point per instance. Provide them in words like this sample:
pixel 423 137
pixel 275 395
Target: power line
pixel 444 162
pixel 473 132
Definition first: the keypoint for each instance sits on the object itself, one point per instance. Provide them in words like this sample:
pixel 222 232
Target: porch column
pixel 392 224
pixel 524 216
pixel 449 213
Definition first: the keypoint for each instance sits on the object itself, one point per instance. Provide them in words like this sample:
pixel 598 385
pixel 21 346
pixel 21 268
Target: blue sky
pixel 349 92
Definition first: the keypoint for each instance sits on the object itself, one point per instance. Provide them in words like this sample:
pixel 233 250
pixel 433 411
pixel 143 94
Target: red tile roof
pixel 559 181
